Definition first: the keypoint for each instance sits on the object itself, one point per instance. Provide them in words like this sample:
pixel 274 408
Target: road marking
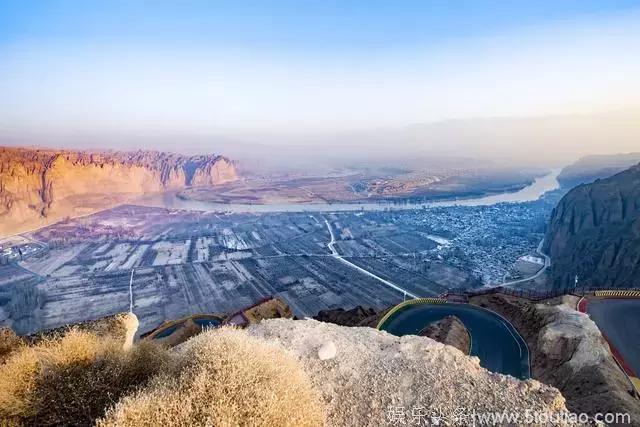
pixel 618 293
pixel 404 304
pixel 513 336
pixel 523 348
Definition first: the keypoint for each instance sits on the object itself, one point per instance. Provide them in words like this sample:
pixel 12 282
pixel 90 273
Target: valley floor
pixel 186 262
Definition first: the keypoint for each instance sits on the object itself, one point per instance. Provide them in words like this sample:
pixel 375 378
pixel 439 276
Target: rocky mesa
pixel 40 186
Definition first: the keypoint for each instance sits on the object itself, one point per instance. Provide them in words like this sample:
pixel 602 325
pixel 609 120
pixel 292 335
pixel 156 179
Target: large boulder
pixel 357 316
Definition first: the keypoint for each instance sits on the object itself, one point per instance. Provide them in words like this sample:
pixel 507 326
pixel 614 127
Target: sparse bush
pixel 222 377
pixel 73 379
pixel 9 342
pixel 20 372
pixel 226 378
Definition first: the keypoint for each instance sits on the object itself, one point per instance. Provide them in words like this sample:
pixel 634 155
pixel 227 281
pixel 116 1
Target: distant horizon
pixel 328 80
pixel 375 145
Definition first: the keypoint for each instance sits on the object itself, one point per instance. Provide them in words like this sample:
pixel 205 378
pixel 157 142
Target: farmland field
pixel 186 262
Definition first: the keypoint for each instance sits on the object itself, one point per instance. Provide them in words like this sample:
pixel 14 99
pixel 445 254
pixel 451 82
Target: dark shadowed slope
pixel 594 234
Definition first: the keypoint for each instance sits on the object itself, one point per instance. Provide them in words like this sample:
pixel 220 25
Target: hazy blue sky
pixel 334 26
pixel 238 67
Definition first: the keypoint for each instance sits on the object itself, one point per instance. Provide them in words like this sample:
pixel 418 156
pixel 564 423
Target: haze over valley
pixel 199 200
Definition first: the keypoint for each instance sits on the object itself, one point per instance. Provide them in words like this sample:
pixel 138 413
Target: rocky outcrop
pixel 41 186
pixel 594 234
pixel 357 316
pixel 450 331
pixel 375 378
pixel 568 352
pixel 587 169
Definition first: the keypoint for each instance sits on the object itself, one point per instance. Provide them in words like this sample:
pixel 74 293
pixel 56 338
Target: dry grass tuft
pixel 9 342
pixel 73 379
pixel 227 378
pixel 20 372
pixel 222 377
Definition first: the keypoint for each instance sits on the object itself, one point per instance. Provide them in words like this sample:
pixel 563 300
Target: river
pixel 529 193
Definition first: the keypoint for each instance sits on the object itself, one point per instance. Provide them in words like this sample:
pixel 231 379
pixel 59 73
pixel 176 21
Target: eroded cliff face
pixel 40 186
pixel 568 352
pixel 594 233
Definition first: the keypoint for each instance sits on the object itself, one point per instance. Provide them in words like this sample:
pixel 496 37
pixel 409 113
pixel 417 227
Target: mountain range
pixel 589 168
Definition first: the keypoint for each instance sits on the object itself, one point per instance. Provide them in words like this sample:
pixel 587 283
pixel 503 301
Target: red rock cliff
pixel 40 186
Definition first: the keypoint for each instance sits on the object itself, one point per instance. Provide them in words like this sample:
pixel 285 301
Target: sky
pixel 291 72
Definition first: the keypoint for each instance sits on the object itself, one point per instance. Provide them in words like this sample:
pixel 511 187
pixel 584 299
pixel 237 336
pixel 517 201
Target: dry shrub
pixel 115 327
pixel 73 379
pixel 20 372
pixel 227 378
pixel 9 342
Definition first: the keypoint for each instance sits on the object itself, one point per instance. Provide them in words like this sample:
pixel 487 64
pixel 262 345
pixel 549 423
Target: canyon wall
pixel 594 234
pixel 38 187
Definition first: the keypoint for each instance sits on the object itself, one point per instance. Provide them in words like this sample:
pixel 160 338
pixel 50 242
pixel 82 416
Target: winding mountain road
pixel 494 340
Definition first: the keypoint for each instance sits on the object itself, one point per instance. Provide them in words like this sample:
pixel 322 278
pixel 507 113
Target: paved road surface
pixel 619 320
pixel 493 340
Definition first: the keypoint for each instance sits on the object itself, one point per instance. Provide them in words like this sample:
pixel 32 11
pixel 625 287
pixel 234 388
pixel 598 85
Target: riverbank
pixel 172 200
pixel 529 193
